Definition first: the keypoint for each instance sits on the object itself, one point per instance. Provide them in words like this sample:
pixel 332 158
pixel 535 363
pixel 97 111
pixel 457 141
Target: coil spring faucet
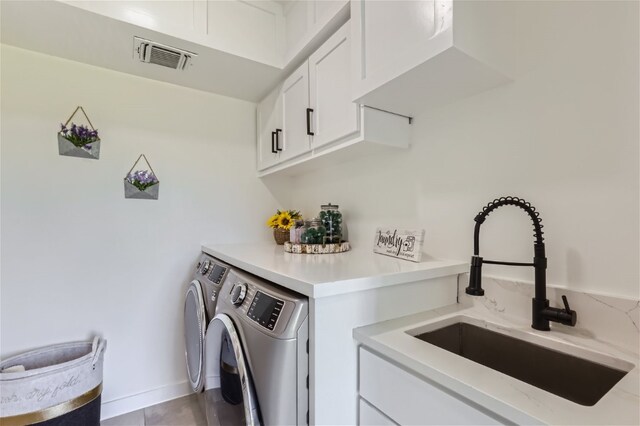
pixel 541 312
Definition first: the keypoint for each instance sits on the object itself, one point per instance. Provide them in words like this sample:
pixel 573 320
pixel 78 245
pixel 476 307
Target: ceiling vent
pixel 161 54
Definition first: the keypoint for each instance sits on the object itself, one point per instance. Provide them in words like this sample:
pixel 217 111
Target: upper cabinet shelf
pixel 244 47
pixel 408 56
pixel 250 29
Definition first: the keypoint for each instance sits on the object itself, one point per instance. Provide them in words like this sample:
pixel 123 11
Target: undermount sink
pixel 571 377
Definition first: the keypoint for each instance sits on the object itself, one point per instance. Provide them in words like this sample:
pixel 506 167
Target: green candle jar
pixel 314 233
pixel 331 219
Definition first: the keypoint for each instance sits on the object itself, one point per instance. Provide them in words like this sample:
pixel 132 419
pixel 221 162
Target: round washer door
pixel 194 332
pixel 228 381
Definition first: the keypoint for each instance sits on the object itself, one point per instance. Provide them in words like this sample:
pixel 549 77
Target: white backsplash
pixel 610 320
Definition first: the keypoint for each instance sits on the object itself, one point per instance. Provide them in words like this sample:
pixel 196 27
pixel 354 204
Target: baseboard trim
pixel 141 400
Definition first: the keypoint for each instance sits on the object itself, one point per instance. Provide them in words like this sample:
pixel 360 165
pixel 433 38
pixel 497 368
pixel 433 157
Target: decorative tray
pixel 316 248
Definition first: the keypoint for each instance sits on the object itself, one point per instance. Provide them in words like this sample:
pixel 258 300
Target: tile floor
pixel 183 411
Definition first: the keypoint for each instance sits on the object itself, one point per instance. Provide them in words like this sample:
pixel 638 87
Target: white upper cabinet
pixel 163 16
pixel 297 25
pixel 269 120
pixel 295 101
pixel 323 10
pixel 333 116
pixel 252 29
pixel 236 47
pixel 239 48
pixel 275 33
pixel 411 55
pixel 308 23
pixel 320 123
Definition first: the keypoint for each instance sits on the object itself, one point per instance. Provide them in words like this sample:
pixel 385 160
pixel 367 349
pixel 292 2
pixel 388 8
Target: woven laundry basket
pixel 54 385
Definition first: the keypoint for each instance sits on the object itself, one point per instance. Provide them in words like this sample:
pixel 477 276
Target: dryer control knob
pixel 238 293
pixel 205 267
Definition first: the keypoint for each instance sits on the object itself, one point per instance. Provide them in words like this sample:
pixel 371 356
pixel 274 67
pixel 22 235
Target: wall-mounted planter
pixel 79 141
pixel 150 193
pixel 91 150
pixel 141 184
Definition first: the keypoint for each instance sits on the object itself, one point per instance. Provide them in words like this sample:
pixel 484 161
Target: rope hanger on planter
pixel 83 113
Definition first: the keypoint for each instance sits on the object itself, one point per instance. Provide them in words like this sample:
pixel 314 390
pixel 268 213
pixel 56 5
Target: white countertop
pixel 322 275
pixel 510 398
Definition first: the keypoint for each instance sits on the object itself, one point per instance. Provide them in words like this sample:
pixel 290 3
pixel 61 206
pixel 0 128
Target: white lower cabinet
pixel 368 415
pixel 319 123
pixel 408 399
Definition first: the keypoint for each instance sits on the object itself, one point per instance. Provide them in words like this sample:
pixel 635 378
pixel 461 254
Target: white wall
pixel 564 136
pixel 77 257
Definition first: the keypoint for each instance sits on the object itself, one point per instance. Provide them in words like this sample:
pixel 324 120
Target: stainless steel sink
pixel 570 377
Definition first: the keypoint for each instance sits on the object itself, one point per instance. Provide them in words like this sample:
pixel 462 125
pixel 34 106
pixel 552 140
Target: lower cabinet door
pixel 370 416
pixel 411 400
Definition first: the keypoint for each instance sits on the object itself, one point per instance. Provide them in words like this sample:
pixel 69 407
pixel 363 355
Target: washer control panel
pixel 265 310
pixel 210 273
pixel 217 273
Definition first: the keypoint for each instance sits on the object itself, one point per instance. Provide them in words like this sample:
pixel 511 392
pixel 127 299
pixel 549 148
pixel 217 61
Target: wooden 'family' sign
pixel 403 244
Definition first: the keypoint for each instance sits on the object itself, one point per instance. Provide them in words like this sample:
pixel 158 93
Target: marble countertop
pixel 510 398
pixel 323 275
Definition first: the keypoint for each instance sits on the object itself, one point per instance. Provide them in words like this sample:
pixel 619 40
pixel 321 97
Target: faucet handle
pixel 568 317
pixel 566 303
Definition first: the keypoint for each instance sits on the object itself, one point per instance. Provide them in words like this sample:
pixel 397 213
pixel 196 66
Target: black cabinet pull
pixel 309 132
pixel 278 131
pixel 273 142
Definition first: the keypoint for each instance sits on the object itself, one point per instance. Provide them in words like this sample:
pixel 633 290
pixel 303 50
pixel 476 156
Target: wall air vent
pixel 163 55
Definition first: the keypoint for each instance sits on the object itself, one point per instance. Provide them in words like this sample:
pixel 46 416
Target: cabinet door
pixel 334 115
pixel 297 26
pixel 252 29
pixel 411 400
pixel 269 119
pixel 323 10
pixel 293 139
pixel 306 19
pixel 392 37
pixel 370 416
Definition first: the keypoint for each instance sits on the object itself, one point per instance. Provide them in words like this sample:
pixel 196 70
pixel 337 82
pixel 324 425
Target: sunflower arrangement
pixel 284 220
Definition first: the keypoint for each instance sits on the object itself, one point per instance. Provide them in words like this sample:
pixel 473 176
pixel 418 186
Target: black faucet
pixel 541 312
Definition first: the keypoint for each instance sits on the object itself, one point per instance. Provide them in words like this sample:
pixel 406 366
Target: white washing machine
pixel 199 310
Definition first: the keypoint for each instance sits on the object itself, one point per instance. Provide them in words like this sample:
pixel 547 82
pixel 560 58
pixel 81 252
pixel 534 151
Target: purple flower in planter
pixel 79 135
pixel 142 179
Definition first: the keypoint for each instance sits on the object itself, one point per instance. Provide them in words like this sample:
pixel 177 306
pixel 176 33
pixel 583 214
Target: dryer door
pixel 229 391
pixel 194 332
